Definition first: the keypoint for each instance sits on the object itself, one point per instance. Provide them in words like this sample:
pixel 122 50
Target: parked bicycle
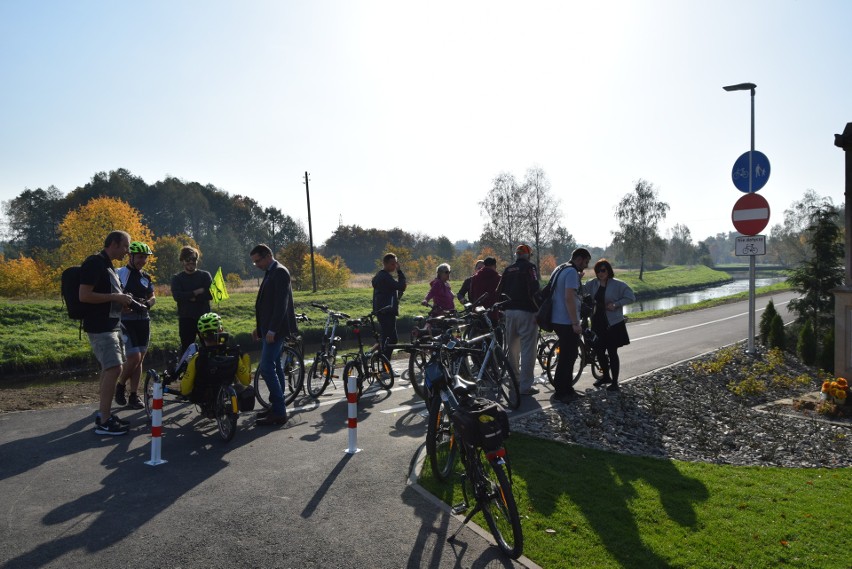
pixel 474 429
pixel 325 361
pixel 425 332
pixel 292 363
pixel 547 354
pixel 370 366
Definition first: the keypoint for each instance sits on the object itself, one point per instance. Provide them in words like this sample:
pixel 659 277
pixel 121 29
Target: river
pixel 739 285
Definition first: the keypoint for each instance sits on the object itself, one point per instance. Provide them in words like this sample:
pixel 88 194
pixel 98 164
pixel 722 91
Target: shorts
pixel 108 348
pixel 136 335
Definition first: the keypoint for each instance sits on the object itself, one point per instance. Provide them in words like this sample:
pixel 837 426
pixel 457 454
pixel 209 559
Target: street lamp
pixel 749 87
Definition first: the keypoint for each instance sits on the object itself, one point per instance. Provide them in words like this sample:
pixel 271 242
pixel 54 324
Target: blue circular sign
pixel 759 169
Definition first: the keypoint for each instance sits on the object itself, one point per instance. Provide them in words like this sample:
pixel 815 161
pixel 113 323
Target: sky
pixel 403 113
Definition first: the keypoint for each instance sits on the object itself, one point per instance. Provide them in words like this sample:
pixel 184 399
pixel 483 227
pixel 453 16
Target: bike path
pixel 285 497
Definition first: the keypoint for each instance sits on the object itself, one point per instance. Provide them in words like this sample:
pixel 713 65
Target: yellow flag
pixel 217 287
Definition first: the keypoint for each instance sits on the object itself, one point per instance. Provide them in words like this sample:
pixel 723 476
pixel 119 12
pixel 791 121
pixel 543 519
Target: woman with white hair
pixel 440 293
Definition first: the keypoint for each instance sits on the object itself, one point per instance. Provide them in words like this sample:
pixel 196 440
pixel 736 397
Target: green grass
pixel 587 508
pixel 37 335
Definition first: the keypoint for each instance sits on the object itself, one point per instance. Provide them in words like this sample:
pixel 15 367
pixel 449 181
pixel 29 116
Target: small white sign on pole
pixel 750 245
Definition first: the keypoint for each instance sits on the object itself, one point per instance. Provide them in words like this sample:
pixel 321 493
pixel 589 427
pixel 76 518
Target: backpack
pixel 544 316
pixel 70 289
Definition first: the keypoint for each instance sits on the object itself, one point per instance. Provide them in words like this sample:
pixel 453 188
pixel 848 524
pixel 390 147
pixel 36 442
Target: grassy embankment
pixel 37 335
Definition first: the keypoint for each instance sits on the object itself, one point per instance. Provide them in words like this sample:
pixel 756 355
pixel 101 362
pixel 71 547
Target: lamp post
pixel 749 87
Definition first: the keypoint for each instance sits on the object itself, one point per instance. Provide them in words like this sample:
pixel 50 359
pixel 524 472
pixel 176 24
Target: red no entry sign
pixel 751 214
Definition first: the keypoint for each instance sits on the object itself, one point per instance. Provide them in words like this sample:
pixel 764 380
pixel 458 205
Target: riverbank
pixel 37 336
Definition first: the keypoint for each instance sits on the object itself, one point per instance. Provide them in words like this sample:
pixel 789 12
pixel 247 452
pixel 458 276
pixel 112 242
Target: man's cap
pixel 523 250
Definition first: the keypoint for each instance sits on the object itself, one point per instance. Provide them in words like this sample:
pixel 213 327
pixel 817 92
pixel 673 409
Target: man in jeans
pixel 275 320
pixel 520 283
pixel 100 287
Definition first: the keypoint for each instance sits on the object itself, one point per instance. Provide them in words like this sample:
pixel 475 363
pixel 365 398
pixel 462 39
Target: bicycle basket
pixel 481 423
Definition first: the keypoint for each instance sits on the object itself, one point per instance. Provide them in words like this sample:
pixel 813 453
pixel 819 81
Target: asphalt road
pixel 286 497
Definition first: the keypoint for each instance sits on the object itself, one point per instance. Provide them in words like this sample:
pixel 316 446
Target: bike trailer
pixel 481 423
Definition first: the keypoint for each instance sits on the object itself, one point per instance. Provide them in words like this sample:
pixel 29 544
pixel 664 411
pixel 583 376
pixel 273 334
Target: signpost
pixel 755 162
pixel 750 214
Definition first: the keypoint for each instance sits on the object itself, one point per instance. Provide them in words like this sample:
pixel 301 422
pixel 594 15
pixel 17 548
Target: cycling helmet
pixel 210 322
pixel 139 247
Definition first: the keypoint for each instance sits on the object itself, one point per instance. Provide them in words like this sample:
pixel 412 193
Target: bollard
pixel 156 423
pixel 352 404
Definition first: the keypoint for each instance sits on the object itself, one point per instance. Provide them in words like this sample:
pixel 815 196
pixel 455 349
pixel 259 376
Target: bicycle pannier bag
pixel 482 423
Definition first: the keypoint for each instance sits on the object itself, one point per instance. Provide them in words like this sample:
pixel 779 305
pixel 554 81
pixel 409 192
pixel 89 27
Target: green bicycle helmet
pixel 210 322
pixel 139 247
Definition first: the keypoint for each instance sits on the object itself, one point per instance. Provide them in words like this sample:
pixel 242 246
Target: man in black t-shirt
pixel 101 288
pixel 191 291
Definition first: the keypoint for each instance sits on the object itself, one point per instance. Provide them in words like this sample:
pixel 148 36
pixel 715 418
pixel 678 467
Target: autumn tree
pixel 331 273
pixel 638 215
pixel 84 229
pixel 26 277
pixel 506 222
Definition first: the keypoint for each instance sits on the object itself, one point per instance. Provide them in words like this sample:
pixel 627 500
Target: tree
pixel 816 276
pixel 562 244
pixel 506 224
pixel 293 256
pixel 33 219
pixel 331 273
pixel 541 208
pixel 766 321
pixel 679 248
pixel 83 230
pixel 639 214
pixel 26 277
pixel 806 347
pixel 789 245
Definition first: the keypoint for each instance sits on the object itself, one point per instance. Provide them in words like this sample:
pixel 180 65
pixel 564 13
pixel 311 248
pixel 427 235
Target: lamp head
pixel 740 87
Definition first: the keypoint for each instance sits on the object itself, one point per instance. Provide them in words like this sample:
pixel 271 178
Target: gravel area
pixel 688 412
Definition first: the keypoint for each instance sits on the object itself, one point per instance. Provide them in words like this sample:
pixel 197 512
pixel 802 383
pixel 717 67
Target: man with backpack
pixel 567 323
pixel 520 283
pixel 100 288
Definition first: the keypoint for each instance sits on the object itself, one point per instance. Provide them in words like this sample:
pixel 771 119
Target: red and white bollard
pixel 352 404
pixel 156 424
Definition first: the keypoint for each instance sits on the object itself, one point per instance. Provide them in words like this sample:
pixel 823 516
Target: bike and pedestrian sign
pixel 750 245
pixel 750 214
pixel 759 169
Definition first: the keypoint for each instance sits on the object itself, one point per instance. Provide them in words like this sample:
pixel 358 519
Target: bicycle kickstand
pixel 459 508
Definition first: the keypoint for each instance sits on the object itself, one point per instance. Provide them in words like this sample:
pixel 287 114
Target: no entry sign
pixel 751 214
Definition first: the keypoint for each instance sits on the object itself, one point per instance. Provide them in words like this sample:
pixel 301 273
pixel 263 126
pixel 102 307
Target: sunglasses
pixel 191 260
pixel 602 270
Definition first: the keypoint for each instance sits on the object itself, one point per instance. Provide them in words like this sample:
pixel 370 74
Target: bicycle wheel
pixel 353 367
pixel 581 361
pixel 416 374
pixel 381 369
pixel 318 376
pixel 148 391
pixel 225 412
pixel 595 366
pixel 545 348
pixel 551 356
pixel 509 390
pixel 501 511
pixel 294 373
pixel 441 447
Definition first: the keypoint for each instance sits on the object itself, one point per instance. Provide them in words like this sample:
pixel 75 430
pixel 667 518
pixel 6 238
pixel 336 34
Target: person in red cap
pixel 520 283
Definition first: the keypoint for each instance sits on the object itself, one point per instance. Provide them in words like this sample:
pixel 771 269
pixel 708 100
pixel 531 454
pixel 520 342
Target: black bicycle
pixel 474 429
pixel 370 366
pixel 325 361
pixel 292 363
pixel 585 348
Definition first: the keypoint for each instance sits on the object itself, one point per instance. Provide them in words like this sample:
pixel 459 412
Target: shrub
pixel 806 347
pixel 766 321
pixel 776 338
pixel 825 360
pixel 233 281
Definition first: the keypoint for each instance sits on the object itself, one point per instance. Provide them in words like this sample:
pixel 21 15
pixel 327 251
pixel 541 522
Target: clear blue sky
pixel 404 112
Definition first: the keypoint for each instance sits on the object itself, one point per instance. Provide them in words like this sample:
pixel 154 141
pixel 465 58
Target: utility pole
pixel 311 234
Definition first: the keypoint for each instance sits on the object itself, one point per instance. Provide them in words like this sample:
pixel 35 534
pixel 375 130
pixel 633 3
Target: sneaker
pixel 613 387
pixel 134 402
pixel 117 418
pixel 111 427
pixel 120 399
pixel 602 381
pixel 569 397
pixel 530 391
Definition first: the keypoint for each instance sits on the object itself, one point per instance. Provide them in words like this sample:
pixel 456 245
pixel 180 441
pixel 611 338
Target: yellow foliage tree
pixel 27 277
pixel 84 229
pixel 331 273
pixel 548 263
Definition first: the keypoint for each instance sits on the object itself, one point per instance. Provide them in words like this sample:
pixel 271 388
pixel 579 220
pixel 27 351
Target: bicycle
pixel 369 366
pixel 292 363
pixel 546 343
pixel 425 332
pixel 322 368
pixel 585 348
pixel 458 421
